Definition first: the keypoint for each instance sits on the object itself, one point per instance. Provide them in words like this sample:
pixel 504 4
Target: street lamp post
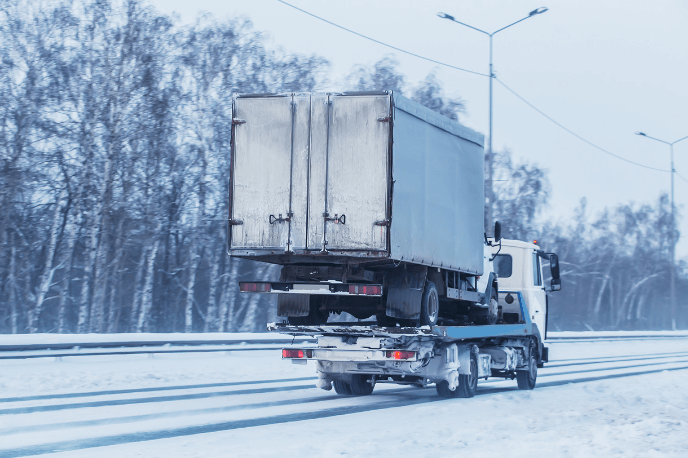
pixel 672 241
pixel 490 192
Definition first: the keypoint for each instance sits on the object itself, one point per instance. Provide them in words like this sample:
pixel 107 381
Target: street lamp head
pixel 537 11
pixel 445 16
pixel 641 133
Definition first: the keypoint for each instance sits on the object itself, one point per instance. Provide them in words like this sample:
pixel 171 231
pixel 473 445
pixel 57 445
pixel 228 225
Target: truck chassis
pixel 353 358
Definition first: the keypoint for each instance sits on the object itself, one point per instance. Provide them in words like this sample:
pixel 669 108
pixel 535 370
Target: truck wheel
pixel 444 391
pixel 526 379
pixel 429 305
pixel 361 386
pixel 468 383
pixel 492 313
pixel 342 388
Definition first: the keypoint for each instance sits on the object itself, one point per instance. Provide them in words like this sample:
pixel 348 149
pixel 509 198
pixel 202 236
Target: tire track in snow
pixel 581 380
pixel 610 368
pixel 151 389
pixel 181 413
pixel 216 427
pixel 568 362
pixel 179 397
pixel 278 419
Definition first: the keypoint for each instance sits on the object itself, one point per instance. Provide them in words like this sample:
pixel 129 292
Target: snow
pixel 586 404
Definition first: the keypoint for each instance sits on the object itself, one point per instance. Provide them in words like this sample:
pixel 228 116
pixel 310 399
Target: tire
pixel 468 383
pixel 429 305
pixel 526 379
pixel 360 386
pixel 492 314
pixel 342 388
pixel 444 391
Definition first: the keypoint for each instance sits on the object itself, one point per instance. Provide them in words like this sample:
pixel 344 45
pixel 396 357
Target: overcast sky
pixel 604 69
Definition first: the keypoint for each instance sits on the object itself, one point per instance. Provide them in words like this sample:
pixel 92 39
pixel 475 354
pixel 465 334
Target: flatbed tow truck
pixel 354 357
pixel 374 207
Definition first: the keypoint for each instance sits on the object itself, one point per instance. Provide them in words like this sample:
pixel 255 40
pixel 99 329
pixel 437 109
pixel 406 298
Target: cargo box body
pixel 354 178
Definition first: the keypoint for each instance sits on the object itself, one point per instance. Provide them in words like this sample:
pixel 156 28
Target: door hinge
pixel 235 222
pixel 384 119
pixel 384 222
pixel 238 121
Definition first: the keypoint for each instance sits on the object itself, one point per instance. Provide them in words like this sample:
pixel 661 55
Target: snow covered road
pixel 624 398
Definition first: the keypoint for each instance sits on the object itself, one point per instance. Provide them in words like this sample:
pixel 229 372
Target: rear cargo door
pixel 267 212
pixel 357 168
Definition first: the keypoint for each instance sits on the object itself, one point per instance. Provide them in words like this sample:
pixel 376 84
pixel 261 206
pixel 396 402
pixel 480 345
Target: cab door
pixel 536 296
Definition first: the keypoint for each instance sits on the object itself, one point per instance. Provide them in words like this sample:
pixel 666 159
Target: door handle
pixel 279 219
pixel 337 219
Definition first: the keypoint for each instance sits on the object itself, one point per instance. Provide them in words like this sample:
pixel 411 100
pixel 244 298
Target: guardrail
pixel 52 348
pixel 58 346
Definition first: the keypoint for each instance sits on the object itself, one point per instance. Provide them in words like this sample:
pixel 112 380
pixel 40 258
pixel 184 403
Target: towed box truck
pixel 373 206
pixel 372 203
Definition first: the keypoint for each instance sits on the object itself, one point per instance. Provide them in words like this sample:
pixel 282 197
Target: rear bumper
pixel 344 355
pixel 317 288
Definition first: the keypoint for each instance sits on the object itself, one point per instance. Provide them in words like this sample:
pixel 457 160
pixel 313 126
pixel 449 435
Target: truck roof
pixel 434 118
pixel 520 244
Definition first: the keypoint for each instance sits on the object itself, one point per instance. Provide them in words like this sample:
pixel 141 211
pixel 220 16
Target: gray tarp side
pixel 438 193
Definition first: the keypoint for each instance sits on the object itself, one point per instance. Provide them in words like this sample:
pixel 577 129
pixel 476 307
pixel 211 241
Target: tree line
pixel 115 133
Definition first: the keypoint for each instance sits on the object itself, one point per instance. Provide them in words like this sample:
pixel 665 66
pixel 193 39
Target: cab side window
pixel 537 272
pixel 503 265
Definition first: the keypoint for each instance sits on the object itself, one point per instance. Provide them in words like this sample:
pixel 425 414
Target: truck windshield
pixel 503 265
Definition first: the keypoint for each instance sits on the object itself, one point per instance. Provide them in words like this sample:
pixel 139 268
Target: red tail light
pixel 291 353
pixel 254 287
pixel 398 354
pixel 373 290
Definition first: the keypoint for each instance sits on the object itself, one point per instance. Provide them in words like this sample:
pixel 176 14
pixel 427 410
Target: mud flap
pixel 464 352
pixel 293 304
pixel 405 291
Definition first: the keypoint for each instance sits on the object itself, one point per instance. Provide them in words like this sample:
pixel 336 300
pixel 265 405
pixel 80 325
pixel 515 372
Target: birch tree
pixel 48 268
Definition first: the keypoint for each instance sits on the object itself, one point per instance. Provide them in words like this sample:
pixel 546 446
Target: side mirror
pixel 554 267
pixel 498 231
pixel 556 284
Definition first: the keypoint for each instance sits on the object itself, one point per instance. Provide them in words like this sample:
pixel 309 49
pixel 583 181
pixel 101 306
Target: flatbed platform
pixel 449 333
pixel 446 333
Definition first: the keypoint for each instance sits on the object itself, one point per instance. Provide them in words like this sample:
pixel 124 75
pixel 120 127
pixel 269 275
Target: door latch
pixel 279 219
pixel 337 219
